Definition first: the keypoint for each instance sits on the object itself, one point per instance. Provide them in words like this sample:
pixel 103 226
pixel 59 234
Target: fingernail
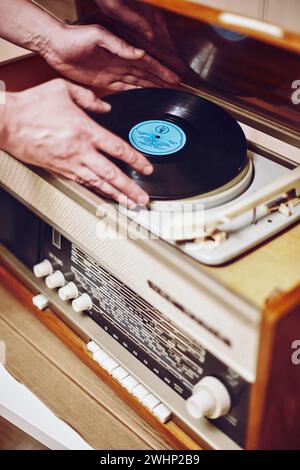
pixel 148 169
pixel 175 79
pixel 139 52
pixel 107 106
pixel 143 200
pixel 131 205
pixel 172 77
pixel 149 35
pixel 122 199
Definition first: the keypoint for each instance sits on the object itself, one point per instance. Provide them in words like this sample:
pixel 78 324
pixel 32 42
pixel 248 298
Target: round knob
pixel 69 291
pixel 210 398
pixel 43 269
pixel 55 280
pixel 82 303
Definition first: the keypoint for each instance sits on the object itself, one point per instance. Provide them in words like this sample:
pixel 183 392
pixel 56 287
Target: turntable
pixel 210 196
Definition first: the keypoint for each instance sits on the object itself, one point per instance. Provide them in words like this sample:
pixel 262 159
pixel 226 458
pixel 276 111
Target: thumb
pixel 115 45
pixel 86 99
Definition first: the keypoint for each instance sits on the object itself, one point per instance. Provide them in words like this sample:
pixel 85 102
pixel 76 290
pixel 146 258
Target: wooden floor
pixel 12 438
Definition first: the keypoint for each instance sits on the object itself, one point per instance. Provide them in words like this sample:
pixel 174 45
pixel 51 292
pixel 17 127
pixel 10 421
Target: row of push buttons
pixel 129 382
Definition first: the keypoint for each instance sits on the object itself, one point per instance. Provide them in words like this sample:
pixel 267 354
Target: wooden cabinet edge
pixel 275 406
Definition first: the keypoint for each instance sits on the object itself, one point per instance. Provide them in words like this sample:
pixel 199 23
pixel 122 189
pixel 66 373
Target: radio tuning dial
pixel 82 303
pixel 43 269
pixel 55 280
pixel 210 399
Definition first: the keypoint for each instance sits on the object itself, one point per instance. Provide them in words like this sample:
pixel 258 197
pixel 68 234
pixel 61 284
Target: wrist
pixel 52 45
pixel 45 40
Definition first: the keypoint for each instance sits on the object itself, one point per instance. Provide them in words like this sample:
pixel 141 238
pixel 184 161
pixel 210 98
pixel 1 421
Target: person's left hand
pixel 94 56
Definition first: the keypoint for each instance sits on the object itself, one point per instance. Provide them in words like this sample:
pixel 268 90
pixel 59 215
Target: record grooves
pixel 195 146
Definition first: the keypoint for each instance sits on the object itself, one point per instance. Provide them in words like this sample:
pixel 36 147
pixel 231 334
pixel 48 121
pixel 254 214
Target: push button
pixel 162 412
pixel 40 301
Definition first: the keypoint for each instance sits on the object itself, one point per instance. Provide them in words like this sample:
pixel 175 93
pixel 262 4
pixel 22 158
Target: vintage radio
pixel 193 304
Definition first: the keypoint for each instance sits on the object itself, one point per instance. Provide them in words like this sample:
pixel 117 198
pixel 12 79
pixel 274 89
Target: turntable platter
pixel 195 147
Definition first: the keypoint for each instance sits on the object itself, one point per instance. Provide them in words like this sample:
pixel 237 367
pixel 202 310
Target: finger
pixel 115 45
pixel 85 176
pixel 121 86
pixel 143 81
pixel 118 148
pixel 86 99
pixel 156 68
pixel 110 173
pixel 141 71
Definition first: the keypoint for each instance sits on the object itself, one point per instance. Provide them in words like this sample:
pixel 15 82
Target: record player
pixel 210 196
pixel 193 303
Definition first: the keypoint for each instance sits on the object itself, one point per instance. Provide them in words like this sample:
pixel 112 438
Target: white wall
pixel 284 13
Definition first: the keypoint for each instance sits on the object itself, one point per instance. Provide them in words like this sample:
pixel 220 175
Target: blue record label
pixel 157 137
pixel 230 35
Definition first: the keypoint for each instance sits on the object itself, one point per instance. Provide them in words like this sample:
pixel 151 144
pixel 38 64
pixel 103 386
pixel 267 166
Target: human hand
pixel 149 28
pixel 94 56
pixel 81 53
pixel 47 127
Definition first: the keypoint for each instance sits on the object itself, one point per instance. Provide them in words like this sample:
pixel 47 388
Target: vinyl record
pixel 195 146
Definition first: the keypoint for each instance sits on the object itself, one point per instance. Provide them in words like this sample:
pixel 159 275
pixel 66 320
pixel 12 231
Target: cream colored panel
pixel 253 8
pixel 271 143
pixel 284 13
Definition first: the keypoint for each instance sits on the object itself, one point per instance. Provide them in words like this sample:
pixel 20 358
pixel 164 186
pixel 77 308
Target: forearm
pixel 27 25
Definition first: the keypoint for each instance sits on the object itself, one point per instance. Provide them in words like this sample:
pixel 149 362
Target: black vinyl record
pixel 195 146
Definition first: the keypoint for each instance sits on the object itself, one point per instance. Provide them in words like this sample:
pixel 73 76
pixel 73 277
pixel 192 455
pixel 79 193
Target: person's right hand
pixel 47 127
pixel 93 56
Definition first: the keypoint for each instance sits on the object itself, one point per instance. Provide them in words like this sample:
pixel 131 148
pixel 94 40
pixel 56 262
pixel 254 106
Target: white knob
pixel 69 291
pixel 40 301
pixel 43 269
pixel 55 280
pixel 82 303
pixel 210 398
